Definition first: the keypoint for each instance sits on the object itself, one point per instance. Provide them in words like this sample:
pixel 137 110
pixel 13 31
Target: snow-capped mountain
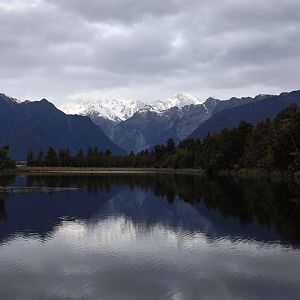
pixel 179 100
pixel 110 114
pixel 135 126
pixel 118 110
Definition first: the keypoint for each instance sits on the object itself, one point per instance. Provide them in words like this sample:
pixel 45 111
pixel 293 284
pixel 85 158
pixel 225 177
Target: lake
pixel 154 236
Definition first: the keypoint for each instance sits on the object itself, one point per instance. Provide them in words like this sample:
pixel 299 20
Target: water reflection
pixel 221 206
pixel 150 237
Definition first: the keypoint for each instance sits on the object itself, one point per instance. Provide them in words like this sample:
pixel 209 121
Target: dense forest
pixel 271 145
pixel 5 161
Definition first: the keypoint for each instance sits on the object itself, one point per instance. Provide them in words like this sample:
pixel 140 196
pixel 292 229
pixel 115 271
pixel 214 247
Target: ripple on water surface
pixel 129 241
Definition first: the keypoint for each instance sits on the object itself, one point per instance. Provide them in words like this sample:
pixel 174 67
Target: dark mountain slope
pixel 38 125
pixel 148 128
pixel 253 112
pixel 106 125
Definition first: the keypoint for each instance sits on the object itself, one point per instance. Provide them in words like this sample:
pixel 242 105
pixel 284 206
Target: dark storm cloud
pixel 148 49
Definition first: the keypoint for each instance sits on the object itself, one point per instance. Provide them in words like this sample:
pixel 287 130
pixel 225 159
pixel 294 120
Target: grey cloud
pixel 147 49
pixel 120 10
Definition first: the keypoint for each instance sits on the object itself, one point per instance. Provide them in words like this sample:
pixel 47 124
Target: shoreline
pixel 243 173
pixel 95 171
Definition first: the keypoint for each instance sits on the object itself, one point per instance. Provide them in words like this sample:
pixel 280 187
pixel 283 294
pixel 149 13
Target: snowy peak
pixel 112 109
pixel 118 110
pixel 179 100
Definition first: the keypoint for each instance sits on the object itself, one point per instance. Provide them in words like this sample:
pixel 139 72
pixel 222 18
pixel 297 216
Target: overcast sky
pixel 68 49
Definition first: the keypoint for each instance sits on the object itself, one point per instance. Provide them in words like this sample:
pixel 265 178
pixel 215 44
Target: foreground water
pixel 149 237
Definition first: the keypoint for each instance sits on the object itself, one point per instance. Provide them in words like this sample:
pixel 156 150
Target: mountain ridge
pixel 118 110
pixel 38 125
pixel 137 126
pixel 263 106
pixel 143 131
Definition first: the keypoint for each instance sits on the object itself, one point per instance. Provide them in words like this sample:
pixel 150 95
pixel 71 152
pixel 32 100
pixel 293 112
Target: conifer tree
pixel 30 158
pixel 51 159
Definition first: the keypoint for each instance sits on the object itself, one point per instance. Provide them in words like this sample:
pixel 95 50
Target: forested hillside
pixel 270 145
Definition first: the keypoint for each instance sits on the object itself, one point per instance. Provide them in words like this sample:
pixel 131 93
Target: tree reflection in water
pixel 263 202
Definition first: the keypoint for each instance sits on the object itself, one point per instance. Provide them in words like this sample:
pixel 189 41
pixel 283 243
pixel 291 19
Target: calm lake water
pixel 149 237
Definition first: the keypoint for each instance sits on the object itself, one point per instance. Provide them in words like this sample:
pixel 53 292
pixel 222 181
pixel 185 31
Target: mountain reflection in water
pixel 150 237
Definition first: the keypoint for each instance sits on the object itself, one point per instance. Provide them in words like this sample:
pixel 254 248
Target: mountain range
pixel 118 110
pixel 38 125
pixel 136 126
pixel 127 125
pixel 110 115
pixel 260 108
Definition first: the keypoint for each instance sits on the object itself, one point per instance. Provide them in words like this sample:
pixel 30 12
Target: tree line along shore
pixel 272 146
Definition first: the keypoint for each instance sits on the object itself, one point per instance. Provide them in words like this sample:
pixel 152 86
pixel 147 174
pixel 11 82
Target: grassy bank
pixel 90 170
pixel 242 173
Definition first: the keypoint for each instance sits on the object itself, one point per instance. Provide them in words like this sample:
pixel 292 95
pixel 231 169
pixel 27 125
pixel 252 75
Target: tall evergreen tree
pixel 51 158
pixel 40 159
pixel 30 158
pixel 171 145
